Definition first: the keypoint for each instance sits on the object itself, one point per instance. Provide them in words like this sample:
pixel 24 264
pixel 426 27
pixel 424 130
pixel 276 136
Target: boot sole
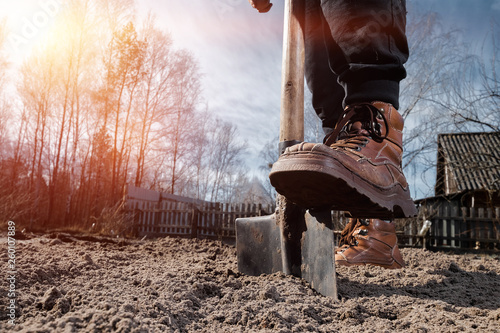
pixel 313 180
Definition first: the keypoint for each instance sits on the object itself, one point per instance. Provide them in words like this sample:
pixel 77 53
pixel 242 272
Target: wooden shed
pixel 465 210
pixel 469 164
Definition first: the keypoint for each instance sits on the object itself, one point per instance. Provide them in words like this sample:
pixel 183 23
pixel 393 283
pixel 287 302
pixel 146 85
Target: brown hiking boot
pixel 358 169
pixel 370 242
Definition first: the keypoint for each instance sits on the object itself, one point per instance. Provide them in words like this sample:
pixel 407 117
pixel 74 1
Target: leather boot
pixel 346 234
pixel 358 169
pixel 371 242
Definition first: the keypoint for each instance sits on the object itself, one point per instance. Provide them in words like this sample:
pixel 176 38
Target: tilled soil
pixel 87 284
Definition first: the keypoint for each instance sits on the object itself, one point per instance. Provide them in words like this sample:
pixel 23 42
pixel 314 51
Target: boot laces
pixel 349 235
pixel 345 136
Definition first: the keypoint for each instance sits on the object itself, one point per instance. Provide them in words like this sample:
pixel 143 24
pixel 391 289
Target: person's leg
pixel 369 48
pixel 327 93
pixel 358 169
pixel 365 77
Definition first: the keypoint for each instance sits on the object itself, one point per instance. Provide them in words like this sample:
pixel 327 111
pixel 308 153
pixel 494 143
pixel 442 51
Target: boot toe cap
pixel 306 147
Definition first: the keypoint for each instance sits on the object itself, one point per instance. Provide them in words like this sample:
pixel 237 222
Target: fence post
pixel 454 227
pixel 490 228
pixel 194 221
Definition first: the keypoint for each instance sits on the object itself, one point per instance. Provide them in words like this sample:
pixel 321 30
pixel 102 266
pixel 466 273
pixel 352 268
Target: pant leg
pixel 327 93
pixel 369 47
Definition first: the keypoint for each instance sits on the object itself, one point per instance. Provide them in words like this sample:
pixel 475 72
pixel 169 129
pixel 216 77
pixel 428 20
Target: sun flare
pixel 27 22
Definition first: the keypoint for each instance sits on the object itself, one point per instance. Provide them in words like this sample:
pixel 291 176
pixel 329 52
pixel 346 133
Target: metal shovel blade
pixel 258 245
pixel 318 254
pixel 260 249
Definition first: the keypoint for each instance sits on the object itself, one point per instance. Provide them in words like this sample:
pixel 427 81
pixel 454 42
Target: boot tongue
pixel 355 129
pixel 359 120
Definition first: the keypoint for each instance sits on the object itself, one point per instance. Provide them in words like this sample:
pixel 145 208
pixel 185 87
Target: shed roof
pixel 468 161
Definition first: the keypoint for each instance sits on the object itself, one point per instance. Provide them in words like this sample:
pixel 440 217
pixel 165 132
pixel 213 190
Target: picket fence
pixel 456 227
pixel 162 214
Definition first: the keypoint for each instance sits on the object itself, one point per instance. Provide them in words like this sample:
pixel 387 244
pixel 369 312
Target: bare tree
pixel 12 202
pixel 224 156
pixel 3 101
pixel 38 93
pixel 474 99
pixel 252 191
pixel 155 93
pixel 313 129
pixel 215 167
pixel 74 58
pixel 186 91
pixel 80 137
pixel 449 88
pixel 435 54
pixel 125 73
pixel 198 154
pixel 268 155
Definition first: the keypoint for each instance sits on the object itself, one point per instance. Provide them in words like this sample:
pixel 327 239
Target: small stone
pixel 269 292
pixel 63 305
pixel 454 268
pixel 88 259
pixel 127 308
pixel 50 298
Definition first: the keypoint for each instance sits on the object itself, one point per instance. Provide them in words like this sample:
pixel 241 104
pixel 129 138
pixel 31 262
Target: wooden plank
pixel 168 217
pixel 489 213
pixel 177 217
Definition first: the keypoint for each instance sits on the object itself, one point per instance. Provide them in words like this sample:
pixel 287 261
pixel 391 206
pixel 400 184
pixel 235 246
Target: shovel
pixel 292 240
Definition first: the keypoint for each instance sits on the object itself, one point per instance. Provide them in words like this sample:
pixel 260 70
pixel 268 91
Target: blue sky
pixel 239 51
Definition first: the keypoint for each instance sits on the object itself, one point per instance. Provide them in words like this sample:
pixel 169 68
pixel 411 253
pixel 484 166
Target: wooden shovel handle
pixel 292 80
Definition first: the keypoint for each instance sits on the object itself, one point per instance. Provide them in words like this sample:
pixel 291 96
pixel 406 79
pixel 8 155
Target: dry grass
pixel 113 221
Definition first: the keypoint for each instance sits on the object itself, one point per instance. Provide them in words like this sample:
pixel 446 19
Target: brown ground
pixel 70 284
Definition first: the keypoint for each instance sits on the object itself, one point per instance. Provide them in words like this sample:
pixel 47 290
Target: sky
pixel 238 49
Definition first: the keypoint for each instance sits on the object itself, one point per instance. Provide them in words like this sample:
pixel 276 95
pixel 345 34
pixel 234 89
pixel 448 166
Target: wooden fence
pixel 161 214
pixel 207 220
pixel 456 227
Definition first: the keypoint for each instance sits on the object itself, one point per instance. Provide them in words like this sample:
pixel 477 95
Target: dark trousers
pixel 354 52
